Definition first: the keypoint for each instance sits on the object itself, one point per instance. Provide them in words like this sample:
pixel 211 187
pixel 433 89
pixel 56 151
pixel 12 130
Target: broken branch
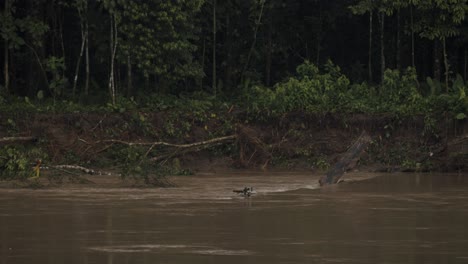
pixel 161 143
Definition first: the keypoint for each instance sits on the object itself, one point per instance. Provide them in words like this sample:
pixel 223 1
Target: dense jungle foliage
pixel 197 60
pixel 275 56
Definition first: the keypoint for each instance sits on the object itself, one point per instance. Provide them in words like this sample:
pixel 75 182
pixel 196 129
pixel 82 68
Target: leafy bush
pixel 399 93
pixel 310 91
pixel 455 101
pixel 313 89
pixel 13 163
pixel 16 162
pixel 327 90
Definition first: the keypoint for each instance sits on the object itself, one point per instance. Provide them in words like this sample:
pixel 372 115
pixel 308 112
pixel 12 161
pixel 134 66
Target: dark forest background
pixel 97 51
pixel 287 79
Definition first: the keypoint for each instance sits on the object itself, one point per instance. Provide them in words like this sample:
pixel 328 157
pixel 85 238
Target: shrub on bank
pixel 327 90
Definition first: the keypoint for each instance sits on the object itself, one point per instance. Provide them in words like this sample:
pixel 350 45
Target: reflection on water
pixel 394 218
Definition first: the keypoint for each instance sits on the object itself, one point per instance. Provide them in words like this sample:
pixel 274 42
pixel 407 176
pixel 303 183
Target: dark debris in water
pixel 246 192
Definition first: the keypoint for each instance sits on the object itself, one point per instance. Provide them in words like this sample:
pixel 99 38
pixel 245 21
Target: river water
pixel 392 218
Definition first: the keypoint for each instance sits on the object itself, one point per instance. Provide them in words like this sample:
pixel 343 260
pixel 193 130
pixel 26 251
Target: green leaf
pixel 460 116
pixel 40 95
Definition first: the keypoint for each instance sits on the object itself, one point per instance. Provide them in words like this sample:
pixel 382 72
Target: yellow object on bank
pixel 37 169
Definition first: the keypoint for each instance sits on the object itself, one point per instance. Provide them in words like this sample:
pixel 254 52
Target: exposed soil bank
pixel 294 141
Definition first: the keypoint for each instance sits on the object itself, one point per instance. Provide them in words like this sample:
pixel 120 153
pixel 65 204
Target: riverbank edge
pixel 295 141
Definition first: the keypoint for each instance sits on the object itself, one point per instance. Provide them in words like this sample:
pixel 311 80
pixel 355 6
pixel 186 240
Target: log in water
pixel 347 161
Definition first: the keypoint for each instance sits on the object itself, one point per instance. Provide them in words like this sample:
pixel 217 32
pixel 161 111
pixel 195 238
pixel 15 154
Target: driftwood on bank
pixel 16 140
pixel 79 168
pixel 178 148
pixel 76 168
pixel 347 161
pixel 161 143
pixel 252 150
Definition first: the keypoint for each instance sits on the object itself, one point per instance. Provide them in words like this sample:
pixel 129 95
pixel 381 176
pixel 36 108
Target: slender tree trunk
pixel 214 49
pixel 44 74
pixel 228 39
pixel 147 80
pixel 466 65
pixel 78 63
pixel 6 69
pixel 269 52
pixel 412 37
pixel 446 64
pixel 382 46
pixel 436 60
pixel 86 89
pixel 319 36
pixel 118 73
pixel 317 50
pixel 55 29
pixel 6 54
pixel 77 68
pixel 398 42
pixel 113 43
pixel 203 64
pixel 129 76
pixel 254 42
pixel 62 44
pixel 370 45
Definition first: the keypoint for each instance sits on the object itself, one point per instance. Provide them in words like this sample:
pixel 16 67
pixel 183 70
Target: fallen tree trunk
pixel 161 143
pixel 179 148
pixel 76 167
pixel 16 140
pixel 184 148
pixel 347 161
pixel 80 168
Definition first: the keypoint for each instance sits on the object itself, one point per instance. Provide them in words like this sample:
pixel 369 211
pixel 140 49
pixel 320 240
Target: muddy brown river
pixel 392 218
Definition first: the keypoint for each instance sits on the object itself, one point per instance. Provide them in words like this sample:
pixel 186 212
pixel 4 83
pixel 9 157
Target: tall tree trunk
pixel 370 45
pixel 44 74
pixel 398 42
pixel 319 36
pixel 147 80
pixel 228 53
pixel 6 54
pixel 465 66
pixel 254 42
pixel 382 46
pixel 317 49
pixel 54 27
pixel 129 76
pixel 436 55
pixel 62 44
pixel 412 37
pixel 446 64
pixel 214 49
pixel 113 44
pixel 86 90
pixel 82 48
pixel 269 52
pixel 6 69
pixel 203 64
